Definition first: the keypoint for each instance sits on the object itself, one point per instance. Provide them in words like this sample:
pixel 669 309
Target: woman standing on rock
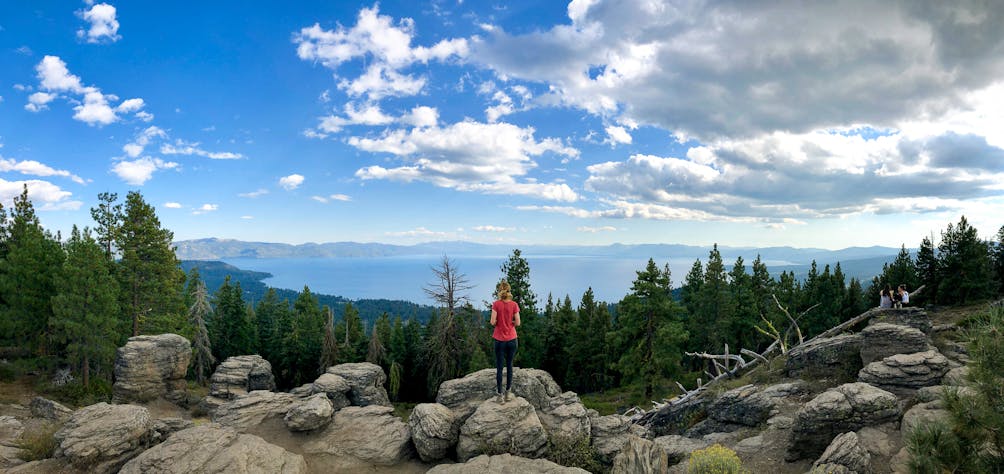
pixel 505 318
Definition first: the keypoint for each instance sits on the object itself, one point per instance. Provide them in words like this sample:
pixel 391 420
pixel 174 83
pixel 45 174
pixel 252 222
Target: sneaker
pixel 500 399
pixel 508 395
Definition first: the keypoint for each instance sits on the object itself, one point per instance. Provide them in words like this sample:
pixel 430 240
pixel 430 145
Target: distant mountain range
pixel 860 262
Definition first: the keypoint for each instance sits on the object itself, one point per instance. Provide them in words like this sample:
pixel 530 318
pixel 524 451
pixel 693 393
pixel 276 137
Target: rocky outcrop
pixel 434 431
pixel 922 414
pixel 101 438
pixel 464 395
pixel 678 448
pixel 610 433
pixel 240 375
pixel 640 455
pixel 249 411
pixel 335 387
pixel 512 428
pixel 848 407
pixel 369 435
pixel 838 357
pixel 505 464
pixel 846 451
pixel 49 410
pixel 958 376
pixel 148 367
pixel 745 405
pixel 10 429
pixel 903 374
pixel 675 418
pixel 883 340
pixel 214 449
pixel 910 316
pixel 565 417
pixel 309 414
pixel 365 382
pixel 164 427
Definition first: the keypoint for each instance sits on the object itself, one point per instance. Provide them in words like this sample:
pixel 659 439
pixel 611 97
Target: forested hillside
pixel 69 301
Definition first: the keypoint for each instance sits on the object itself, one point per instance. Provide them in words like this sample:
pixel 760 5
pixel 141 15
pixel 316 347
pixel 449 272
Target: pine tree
pixel 557 353
pixel 268 312
pixel 85 306
pixel 649 333
pixel 306 339
pixel 715 306
pixel 963 265
pixel 927 272
pixel 198 314
pixel 516 271
pixel 150 278
pixel 903 270
pixel 108 217
pixel 329 349
pixel 998 261
pixel 350 331
pixel 229 330
pixel 376 352
pixel 741 332
pixel 28 275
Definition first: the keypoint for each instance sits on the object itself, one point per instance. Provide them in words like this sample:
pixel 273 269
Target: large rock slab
pixel 365 383
pixel 846 451
pixel 148 367
pixel 678 448
pixel 512 428
pixel 369 435
pixel 10 429
pixel 309 414
pixel 434 430
pixel 335 387
pixel 910 316
pixel 240 375
pixel 903 374
pixel 49 410
pixel 253 409
pixel 215 449
pixel 610 433
pixel 565 417
pixel 848 407
pixel 464 395
pixel 838 356
pixel 640 455
pixel 745 405
pixel 505 464
pixel 883 340
pixel 101 438
pixel 923 414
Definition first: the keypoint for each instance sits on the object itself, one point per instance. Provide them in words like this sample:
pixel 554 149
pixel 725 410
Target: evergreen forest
pixel 67 302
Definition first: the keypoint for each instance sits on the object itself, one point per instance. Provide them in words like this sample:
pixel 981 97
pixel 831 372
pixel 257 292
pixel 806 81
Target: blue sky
pixel 591 122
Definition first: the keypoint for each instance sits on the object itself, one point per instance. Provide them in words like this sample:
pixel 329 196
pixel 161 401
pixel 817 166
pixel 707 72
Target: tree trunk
pixel 87 371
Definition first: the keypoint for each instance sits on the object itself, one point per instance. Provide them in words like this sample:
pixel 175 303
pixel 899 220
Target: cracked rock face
pixel 883 340
pixel 839 355
pixel 309 414
pixel 240 375
pixel 903 374
pixel 370 434
pixel 848 407
pixel 745 405
pixel 148 367
pixel 365 382
pixel 434 430
pixel 101 438
pixel 512 428
pixel 846 450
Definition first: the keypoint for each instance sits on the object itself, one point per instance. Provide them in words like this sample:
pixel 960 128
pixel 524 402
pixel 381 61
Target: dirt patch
pixel 18 392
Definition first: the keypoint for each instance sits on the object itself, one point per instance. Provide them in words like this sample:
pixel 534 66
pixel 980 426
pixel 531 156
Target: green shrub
pixel 76 394
pixel 573 452
pixel 715 459
pixel 7 373
pixel 38 442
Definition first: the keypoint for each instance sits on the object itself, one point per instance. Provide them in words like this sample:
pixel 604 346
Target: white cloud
pixel 144 116
pixel 136 147
pixel 616 134
pixel 181 147
pixel 140 171
pixel 332 197
pixel 130 105
pixel 103 25
pixel 370 114
pixel 381 43
pixel 247 217
pixel 291 182
pixel 420 232
pixel 172 205
pixel 594 230
pixel 254 194
pixel 34 168
pixel 95 109
pixel 205 208
pixel 53 75
pixel 468 156
pixel 51 197
pixel 39 101
pixel 492 228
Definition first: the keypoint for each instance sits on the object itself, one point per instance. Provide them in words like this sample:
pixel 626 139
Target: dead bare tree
pixel 449 287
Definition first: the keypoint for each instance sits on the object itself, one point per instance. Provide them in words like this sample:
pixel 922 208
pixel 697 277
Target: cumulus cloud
pixel 712 70
pixel 594 230
pixel 331 197
pixel 253 194
pixel 172 205
pixel 103 26
pixel 205 208
pixel 139 171
pixel 370 114
pixel 45 195
pixel 291 182
pixel 34 168
pixel 135 148
pixel 492 228
pixel 93 106
pixel 616 134
pixel 384 45
pixel 468 156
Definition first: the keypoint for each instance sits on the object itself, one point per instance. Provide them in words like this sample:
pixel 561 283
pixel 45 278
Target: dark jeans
pixel 504 350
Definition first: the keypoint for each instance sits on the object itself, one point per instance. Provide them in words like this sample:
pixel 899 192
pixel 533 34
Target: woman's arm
pixel 495 317
pixel 515 319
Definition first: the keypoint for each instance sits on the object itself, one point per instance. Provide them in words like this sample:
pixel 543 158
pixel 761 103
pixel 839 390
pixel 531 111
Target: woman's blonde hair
pixel 503 290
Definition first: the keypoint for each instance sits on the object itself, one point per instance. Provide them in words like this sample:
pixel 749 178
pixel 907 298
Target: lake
pixel 402 278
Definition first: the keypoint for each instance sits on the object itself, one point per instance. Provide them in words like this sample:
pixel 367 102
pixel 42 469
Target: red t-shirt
pixel 504 312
